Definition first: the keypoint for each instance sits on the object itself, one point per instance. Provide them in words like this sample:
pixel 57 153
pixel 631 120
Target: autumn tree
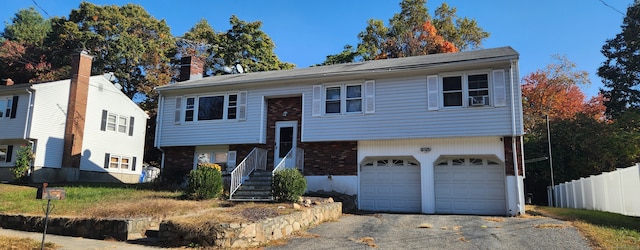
pixel 620 72
pixel 413 32
pixel 554 92
pixel 23 54
pixel 124 40
pixel 244 43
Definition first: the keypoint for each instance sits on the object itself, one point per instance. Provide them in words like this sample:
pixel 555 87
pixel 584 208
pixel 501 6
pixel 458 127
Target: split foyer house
pixel 429 134
pixel 81 129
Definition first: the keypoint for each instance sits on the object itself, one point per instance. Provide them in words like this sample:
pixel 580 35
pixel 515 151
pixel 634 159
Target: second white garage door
pixel 470 186
pixel 390 184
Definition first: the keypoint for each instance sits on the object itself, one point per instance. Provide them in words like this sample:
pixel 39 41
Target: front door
pixel 286 134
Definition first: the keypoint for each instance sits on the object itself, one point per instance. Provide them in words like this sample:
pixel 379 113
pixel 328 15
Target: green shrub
pixel 24 156
pixel 204 183
pixel 288 185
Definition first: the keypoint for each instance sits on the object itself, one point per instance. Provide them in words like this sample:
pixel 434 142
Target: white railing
pixel 293 159
pixel 257 159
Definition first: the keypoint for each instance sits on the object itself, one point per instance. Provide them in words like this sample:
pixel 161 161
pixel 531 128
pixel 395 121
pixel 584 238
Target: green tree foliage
pixel 288 185
pixel 125 40
pixel 24 156
pixel 244 43
pixel 23 53
pixel 27 26
pixel 620 72
pixel 413 32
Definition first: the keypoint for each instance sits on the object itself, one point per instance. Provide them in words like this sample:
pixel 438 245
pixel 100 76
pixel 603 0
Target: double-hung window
pixel 120 162
pixel 213 107
pixel 6 152
pixel 117 123
pixel 8 106
pixel 343 99
pixel 467 89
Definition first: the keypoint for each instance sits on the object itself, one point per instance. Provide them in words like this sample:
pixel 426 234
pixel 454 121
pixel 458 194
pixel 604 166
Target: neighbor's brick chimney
pixel 76 110
pixel 8 82
pixel 191 68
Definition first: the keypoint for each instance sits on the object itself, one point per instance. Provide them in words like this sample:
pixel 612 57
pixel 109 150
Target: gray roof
pixel 360 68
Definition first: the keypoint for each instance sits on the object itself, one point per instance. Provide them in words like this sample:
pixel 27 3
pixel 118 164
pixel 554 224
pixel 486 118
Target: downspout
pixel 27 127
pixel 158 129
pixel 513 137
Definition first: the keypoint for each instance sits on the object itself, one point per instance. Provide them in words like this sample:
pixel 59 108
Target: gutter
pixel 513 138
pixel 27 126
pixel 158 129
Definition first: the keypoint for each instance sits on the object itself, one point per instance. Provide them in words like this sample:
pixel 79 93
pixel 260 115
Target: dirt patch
pixel 494 219
pixel 369 241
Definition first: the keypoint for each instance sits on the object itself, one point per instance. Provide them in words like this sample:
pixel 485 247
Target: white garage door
pixel 390 184
pixel 469 186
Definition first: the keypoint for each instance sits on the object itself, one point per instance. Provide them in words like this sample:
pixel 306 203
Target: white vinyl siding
pixel 400 113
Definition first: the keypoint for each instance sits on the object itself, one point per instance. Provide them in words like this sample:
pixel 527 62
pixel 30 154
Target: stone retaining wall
pixel 118 229
pixel 250 234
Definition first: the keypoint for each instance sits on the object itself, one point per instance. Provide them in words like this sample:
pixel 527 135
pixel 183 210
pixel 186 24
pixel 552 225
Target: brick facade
pixel 508 155
pixel 178 161
pixel 331 158
pixel 77 110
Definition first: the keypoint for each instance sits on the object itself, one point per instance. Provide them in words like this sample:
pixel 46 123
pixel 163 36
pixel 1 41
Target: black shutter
pixel 14 106
pixel 133 164
pixel 9 153
pixel 131 126
pixel 103 125
pixel 107 158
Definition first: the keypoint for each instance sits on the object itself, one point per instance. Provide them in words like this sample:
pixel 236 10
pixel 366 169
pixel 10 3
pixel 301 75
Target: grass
pixel 121 201
pixel 12 243
pixel 604 230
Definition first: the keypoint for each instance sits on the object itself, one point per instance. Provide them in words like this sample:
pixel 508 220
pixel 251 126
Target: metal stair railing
pixel 257 159
pixel 295 153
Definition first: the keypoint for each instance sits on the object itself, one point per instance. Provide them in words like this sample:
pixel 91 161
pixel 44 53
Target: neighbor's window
pixel 190 109
pixel 5 107
pixel 452 91
pixel 478 89
pixel 4 151
pixel 232 107
pixel 119 162
pixel 117 122
pixel 343 97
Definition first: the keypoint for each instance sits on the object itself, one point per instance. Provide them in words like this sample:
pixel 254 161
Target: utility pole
pixel 551 164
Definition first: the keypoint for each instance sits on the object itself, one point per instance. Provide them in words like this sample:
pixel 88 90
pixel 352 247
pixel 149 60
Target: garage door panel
pixel 470 189
pixel 390 188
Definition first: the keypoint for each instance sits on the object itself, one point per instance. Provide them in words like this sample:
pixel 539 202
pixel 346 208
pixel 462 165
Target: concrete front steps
pixel 256 188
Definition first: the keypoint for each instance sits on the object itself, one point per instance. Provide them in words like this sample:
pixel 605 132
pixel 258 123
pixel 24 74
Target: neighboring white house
pixel 429 134
pixel 82 129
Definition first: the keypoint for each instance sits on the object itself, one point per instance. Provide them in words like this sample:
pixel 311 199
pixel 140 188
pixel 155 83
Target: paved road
pixel 398 231
pixel 76 243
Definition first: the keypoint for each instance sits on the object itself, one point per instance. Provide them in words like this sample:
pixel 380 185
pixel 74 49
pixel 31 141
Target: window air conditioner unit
pixel 477 101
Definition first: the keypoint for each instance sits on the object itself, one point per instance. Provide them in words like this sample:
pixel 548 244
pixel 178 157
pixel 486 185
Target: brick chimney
pixel 191 68
pixel 7 82
pixel 76 112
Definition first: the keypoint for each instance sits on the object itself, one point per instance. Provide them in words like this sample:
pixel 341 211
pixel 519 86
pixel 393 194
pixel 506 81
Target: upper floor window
pixel 466 90
pixel 117 123
pixel 8 107
pixel 344 98
pixel 347 98
pixel 213 107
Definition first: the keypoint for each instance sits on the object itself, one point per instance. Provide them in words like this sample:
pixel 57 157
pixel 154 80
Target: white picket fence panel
pixel 616 192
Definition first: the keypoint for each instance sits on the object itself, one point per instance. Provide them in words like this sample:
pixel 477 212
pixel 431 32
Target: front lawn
pixel 124 201
pixel 604 230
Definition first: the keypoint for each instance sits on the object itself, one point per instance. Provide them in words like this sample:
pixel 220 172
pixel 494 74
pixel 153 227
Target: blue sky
pixel 305 32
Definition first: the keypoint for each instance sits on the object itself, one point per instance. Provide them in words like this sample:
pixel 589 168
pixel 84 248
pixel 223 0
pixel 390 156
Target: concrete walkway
pixel 77 243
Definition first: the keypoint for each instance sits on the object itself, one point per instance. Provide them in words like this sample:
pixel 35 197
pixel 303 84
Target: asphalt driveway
pixel 409 231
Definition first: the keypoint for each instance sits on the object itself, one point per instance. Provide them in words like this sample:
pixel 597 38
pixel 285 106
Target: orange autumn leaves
pixel 423 40
pixel 555 92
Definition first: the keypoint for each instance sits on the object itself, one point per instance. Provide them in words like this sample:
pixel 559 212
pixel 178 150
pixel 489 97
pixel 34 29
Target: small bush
pixel 205 182
pixel 24 156
pixel 288 185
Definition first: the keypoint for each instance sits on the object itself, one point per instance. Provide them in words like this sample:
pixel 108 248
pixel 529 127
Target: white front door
pixel 286 134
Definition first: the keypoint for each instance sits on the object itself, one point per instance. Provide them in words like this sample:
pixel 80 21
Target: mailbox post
pixel 48 194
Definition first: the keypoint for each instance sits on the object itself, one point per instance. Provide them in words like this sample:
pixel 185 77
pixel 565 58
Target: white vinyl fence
pixel 616 192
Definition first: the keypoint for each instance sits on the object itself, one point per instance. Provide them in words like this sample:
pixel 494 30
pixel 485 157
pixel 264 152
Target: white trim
pixel 284 124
